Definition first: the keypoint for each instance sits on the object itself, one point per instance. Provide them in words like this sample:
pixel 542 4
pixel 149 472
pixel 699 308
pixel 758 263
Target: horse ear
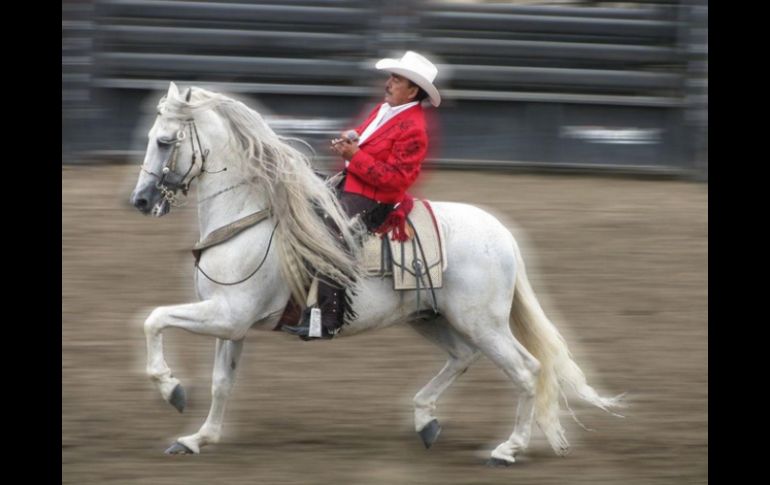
pixel 173 92
pixel 188 95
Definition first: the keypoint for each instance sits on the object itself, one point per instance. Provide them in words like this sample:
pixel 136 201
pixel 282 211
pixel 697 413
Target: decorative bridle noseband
pixel 165 184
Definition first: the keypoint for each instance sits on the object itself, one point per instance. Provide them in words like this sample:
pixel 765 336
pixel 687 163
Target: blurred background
pixel 582 125
pixel 570 84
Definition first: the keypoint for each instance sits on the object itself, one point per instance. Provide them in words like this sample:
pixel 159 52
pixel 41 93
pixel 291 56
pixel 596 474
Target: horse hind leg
pixel 499 345
pixel 461 355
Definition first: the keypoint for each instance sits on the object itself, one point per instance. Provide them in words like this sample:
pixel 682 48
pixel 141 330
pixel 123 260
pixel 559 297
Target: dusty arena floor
pixel 620 265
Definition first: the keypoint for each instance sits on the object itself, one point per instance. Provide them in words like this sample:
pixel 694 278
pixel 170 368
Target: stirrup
pixel 302 330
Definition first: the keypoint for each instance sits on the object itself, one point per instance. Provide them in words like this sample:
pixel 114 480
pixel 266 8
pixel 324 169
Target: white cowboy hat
pixel 417 69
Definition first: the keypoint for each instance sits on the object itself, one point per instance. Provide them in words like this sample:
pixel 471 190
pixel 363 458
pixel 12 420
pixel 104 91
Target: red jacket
pixel 388 162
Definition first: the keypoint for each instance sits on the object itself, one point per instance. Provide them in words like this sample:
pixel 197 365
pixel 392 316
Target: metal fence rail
pixel 540 84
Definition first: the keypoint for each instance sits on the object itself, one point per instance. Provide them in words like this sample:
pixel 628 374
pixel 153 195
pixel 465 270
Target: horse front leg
pixel 228 353
pixel 207 317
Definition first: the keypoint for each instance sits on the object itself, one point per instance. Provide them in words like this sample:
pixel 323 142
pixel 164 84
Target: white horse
pixel 486 306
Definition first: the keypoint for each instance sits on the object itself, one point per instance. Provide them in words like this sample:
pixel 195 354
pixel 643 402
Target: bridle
pixel 167 186
pixel 169 189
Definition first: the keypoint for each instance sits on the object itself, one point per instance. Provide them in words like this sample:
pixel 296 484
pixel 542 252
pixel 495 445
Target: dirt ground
pixel 621 265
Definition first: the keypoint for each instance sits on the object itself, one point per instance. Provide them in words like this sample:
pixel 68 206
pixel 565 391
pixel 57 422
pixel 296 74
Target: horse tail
pixel 557 369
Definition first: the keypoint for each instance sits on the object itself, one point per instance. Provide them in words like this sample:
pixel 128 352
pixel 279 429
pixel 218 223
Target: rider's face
pixel 399 90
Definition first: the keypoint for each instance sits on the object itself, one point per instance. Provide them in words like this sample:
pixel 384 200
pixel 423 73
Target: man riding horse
pixel 382 160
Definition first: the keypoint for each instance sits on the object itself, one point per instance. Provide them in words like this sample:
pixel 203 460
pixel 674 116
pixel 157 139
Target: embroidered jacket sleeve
pixel 400 169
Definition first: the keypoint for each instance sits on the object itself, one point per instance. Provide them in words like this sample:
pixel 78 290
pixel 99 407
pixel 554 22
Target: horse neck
pixel 225 197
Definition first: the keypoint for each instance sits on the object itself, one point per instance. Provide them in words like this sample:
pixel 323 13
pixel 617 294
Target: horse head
pixel 177 151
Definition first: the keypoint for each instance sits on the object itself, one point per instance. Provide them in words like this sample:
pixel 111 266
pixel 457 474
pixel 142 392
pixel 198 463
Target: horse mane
pixel 298 198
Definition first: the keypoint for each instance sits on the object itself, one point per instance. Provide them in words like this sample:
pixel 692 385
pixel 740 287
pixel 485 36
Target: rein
pixel 264 258
pixel 226 233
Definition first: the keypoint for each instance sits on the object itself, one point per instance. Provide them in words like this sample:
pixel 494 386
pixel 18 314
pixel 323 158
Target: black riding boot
pixel 331 303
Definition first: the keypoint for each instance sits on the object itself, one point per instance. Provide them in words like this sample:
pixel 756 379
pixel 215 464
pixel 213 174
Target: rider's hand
pixel 345 148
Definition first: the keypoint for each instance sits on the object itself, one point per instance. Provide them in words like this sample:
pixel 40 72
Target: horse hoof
pixel 498 463
pixel 178 398
pixel 178 449
pixel 430 433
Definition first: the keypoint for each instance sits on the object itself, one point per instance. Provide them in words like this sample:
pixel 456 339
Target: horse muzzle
pixel 150 201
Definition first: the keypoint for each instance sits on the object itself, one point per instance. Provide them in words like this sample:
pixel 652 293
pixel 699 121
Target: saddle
pixel 418 262
pixel 415 264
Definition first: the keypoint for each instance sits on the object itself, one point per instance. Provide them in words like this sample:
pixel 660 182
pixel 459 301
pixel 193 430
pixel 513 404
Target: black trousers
pixel 334 303
pixel 332 299
pixel 372 212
